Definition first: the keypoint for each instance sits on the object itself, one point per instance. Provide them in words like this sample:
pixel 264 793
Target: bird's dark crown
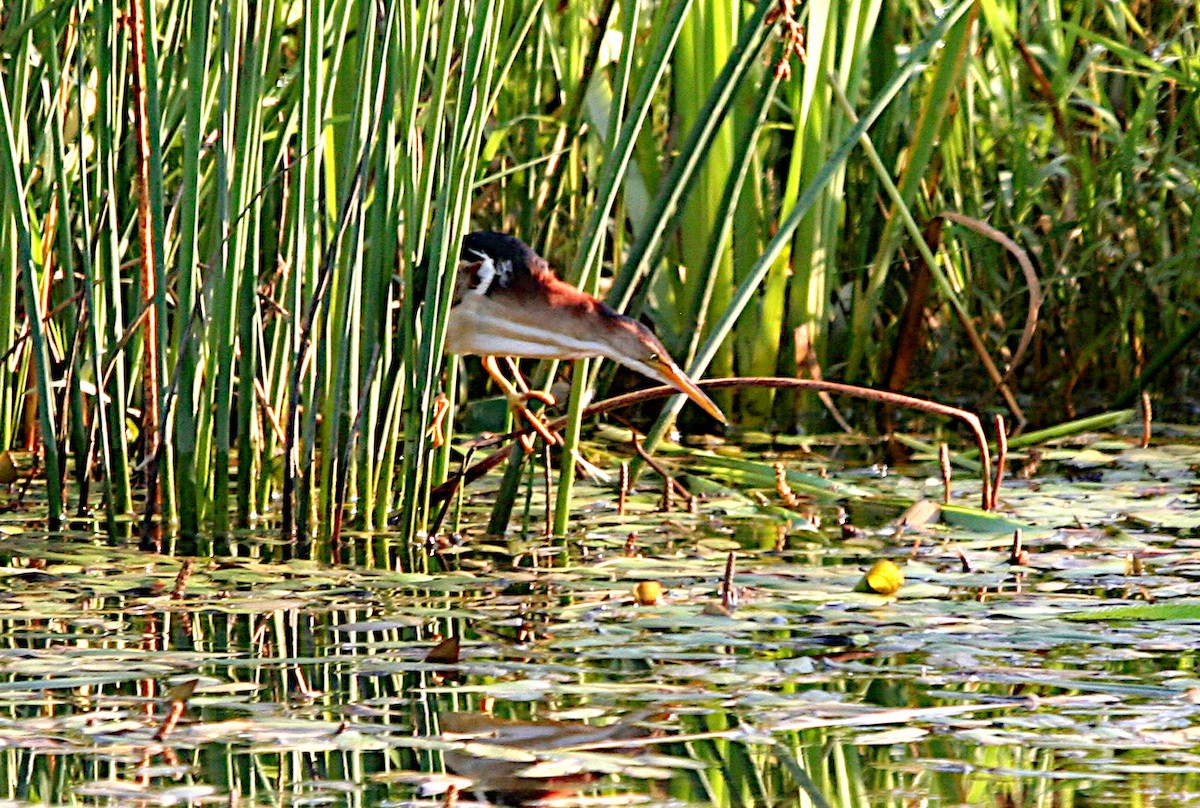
pixel 498 247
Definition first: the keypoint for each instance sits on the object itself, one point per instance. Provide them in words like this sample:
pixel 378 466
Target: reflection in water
pixel 519 761
pixel 312 683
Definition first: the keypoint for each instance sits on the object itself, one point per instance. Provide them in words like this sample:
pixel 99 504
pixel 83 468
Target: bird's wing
pixel 537 270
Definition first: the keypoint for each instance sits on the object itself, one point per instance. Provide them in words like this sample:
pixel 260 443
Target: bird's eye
pixel 653 359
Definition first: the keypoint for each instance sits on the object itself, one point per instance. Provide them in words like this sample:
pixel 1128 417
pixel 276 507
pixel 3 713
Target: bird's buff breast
pixel 479 325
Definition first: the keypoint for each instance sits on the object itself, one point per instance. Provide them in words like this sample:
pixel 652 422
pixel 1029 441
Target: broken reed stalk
pixel 1019 554
pixel 770 382
pixel 963 560
pixel 1147 419
pixel 549 486
pixel 729 596
pixel 944 463
pixel 623 495
pixel 1001 458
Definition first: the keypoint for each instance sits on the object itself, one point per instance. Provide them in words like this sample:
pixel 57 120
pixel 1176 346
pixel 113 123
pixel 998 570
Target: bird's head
pixel 635 346
pixel 498 247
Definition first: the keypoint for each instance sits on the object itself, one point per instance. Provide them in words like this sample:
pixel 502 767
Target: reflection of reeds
pixel 288 185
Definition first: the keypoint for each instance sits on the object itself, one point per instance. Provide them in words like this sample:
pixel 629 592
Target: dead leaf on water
pixel 920 513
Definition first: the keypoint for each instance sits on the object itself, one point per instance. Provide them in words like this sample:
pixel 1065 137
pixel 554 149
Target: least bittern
pixel 508 302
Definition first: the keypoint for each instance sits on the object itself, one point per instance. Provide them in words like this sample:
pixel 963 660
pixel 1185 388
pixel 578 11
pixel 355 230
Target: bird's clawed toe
pixel 518 402
pixel 539 395
pixel 519 405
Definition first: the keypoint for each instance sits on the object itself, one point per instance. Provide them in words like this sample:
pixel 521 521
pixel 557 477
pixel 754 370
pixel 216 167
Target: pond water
pixel 1065 676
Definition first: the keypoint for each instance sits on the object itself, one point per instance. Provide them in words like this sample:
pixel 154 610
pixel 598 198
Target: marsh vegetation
pixel 228 243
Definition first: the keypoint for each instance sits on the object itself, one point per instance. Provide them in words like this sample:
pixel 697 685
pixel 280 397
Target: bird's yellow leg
pixel 441 406
pixel 517 399
pixel 529 438
pixel 523 386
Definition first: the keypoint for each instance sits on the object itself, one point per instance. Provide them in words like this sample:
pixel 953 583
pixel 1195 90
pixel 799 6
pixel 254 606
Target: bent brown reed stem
pixel 1036 297
pixel 771 382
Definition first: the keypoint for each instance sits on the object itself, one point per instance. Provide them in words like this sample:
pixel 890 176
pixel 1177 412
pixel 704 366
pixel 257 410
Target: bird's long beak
pixel 671 373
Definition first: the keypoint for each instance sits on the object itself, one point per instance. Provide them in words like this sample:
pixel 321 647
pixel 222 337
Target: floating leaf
pixel 1147 612
pixel 891 736
pixel 980 521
